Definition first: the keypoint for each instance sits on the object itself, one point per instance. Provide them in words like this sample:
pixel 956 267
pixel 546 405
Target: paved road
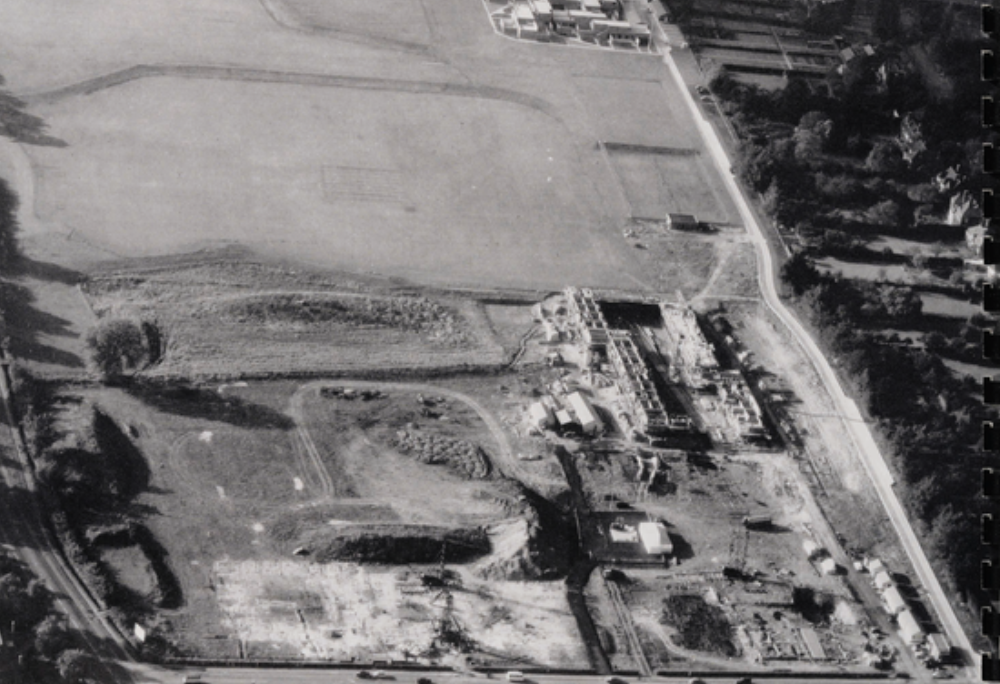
pixel 854 424
pixel 281 676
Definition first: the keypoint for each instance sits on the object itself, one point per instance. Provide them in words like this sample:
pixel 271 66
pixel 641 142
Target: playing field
pixel 412 183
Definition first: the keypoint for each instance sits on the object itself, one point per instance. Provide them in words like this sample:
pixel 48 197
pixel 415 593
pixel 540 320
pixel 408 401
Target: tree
pixel 884 213
pixel 799 273
pixel 935 342
pixel 76 666
pixel 901 303
pixel 117 346
pixel 884 158
pixel 52 637
pixel 9 250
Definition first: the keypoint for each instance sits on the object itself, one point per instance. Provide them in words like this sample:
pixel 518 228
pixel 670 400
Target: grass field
pixel 454 188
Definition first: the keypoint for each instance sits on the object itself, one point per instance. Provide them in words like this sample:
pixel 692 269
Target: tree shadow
pixel 47 271
pixel 16 301
pixel 198 402
pixel 21 126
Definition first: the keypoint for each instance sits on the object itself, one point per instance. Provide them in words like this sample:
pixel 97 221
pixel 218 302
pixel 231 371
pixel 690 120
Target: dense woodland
pixel 879 153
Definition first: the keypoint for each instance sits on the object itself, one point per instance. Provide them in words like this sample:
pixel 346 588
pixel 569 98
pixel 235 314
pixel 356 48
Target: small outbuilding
pixel 875 566
pixel 811 548
pixel 882 580
pixel 682 222
pixel 540 415
pixel 828 566
pixel 939 647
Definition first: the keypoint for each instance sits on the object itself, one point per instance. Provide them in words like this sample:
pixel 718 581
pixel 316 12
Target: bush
pixel 117 346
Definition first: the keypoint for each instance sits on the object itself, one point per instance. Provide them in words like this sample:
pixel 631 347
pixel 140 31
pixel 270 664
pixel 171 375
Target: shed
pixel 894 601
pixel 939 647
pixel 655 538
pixel 813 644
pixel 682 221
pixel 540 415
pixel 882 580
pixel 563 418
pixel 828 566
pixel 909 628
pixel 585 414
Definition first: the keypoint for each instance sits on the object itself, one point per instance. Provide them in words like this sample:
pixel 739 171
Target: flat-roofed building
pixel 584 19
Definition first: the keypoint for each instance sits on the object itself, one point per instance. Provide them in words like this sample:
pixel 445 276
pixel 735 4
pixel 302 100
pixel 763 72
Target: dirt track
pixel 122 76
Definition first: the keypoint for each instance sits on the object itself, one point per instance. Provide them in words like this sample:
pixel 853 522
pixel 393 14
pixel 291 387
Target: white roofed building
pixel 655 538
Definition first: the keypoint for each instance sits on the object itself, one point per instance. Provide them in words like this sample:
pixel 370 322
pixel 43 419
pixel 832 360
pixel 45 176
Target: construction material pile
pixel 464 458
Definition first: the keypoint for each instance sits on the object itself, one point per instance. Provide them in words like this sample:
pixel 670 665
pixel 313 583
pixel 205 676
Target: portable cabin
pixel 894 601
pixel 909 628
pixel 939 647
pixel 882 580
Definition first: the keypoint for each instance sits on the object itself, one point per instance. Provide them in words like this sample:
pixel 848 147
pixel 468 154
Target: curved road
pixel 854 423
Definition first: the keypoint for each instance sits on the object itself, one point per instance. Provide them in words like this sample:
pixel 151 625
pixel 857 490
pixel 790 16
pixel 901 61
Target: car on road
pixel 364 674
pixel 615 680
pixel 515 676
pixel 380 674
pixel 744 680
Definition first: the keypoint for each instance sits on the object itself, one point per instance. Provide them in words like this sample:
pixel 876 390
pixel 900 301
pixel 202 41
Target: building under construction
pixel 642 410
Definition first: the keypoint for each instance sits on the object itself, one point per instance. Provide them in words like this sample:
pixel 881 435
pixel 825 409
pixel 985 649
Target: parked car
pixel 515 676
pixel 364 674
pixel 702 90
pixel 380 674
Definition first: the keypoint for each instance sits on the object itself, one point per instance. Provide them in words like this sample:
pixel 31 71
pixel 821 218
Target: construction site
pixel 698 520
